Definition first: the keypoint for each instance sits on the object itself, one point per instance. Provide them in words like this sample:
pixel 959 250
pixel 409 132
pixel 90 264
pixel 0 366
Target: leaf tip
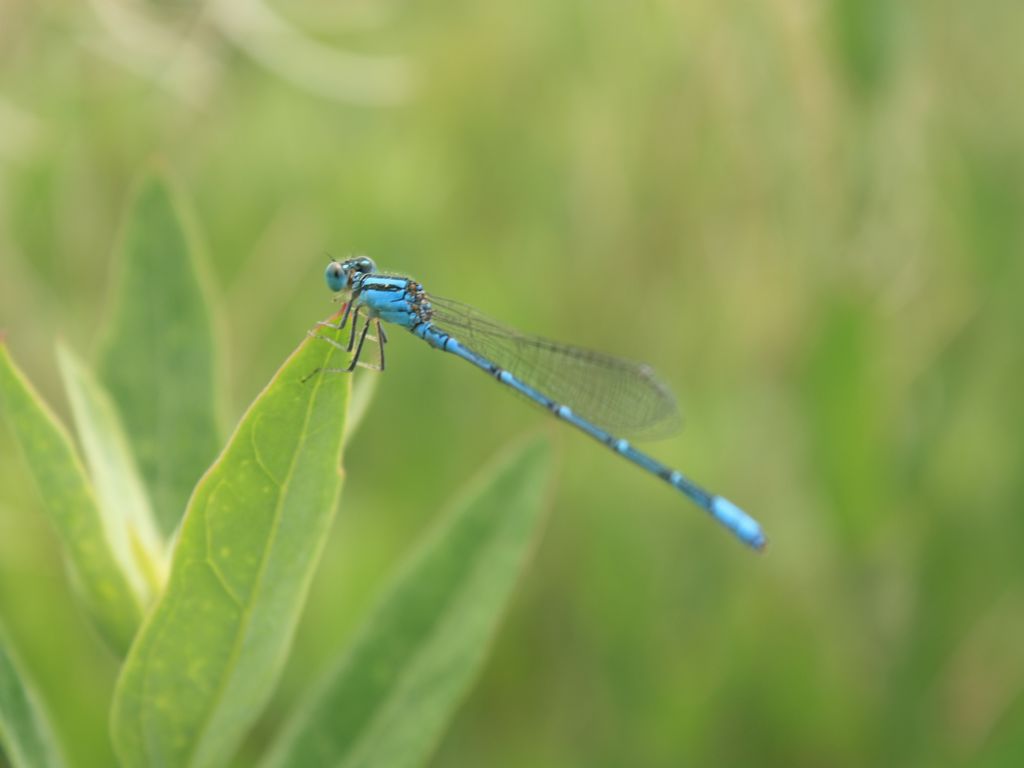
pixel 67 361
pixel 157 165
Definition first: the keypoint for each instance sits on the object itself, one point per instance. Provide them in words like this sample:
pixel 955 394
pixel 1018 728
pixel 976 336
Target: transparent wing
pixel 620 396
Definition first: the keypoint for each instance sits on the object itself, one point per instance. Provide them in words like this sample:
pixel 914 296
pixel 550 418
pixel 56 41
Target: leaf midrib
pixel 261 571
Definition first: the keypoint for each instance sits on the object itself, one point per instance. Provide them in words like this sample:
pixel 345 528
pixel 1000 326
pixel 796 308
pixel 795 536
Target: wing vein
pixel 620 396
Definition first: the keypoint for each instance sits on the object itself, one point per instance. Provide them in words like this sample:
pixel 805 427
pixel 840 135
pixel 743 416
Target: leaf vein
pixel 259 458
pixel 246 610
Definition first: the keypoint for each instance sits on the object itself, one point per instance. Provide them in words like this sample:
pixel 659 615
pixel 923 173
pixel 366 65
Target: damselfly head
pixel 362 264
pixel 336 276
pixel 339 274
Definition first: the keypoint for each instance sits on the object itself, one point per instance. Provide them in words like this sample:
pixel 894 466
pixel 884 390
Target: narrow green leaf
pixel 393 693
pixel 866 34
pixel 123 501
pixel 26 737
pixel 211 649
pixel 363 389
pixel 158 357
pixel 99 575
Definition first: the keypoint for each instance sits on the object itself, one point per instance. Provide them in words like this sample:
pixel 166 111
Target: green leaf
pixel 26 736
pixel 866 39
pixel 158 357
pixel 392 694
pixel 123 501
pixel 845 417
pixel 97 570
pixel 363 389
pixel 211 649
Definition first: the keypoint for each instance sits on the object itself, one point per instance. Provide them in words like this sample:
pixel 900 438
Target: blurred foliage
pixel 806 215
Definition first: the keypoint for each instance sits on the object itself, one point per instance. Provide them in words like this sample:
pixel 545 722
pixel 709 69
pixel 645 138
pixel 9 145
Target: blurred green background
pixel 808 216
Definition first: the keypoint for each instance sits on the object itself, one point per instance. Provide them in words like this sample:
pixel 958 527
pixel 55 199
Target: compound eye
pixel 336 278
pixel 365 265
